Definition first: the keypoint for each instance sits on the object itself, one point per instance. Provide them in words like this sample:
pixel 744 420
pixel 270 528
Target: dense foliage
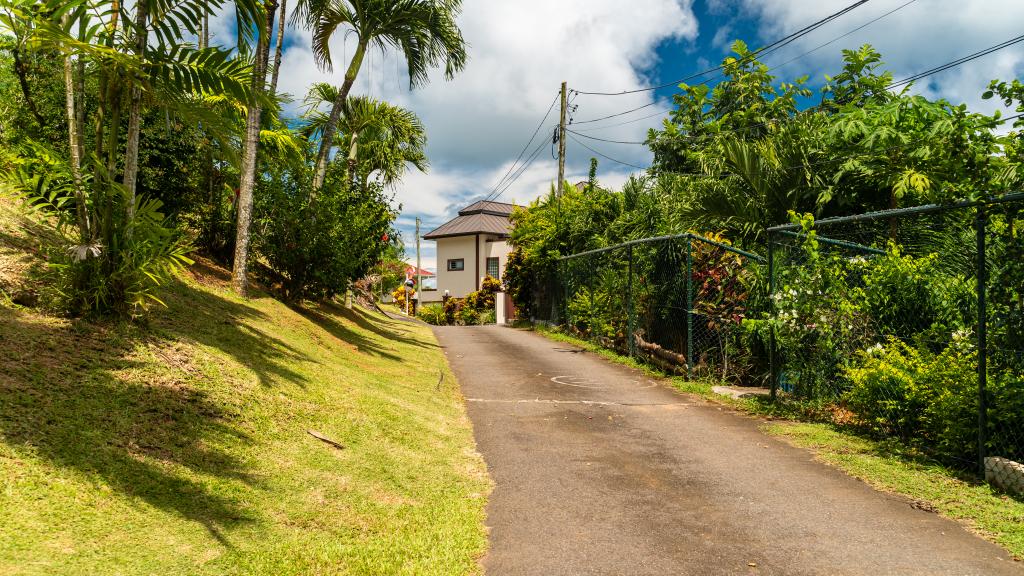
pixel 144 142
pixel 876 322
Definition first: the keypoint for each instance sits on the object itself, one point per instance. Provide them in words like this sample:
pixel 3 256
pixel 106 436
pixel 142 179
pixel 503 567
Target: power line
pixel 494 190
pixel 763 51
pixel 838 38
pixel 606 157
pixel 658 113
pixel 521 170
pixel 604 139
pixel 616 115
pixel 957 62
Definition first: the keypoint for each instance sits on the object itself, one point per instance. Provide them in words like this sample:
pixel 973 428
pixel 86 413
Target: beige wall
pixel 461 283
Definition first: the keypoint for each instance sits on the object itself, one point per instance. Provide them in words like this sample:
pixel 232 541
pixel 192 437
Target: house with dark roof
pixel 470 247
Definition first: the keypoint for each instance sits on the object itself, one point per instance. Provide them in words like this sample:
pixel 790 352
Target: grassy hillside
pixel 180 445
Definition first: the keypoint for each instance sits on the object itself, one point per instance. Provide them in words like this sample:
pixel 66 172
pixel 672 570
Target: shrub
pixel 907 296
pixel 315 247
pixel 931 400
pixel 889 389
pixel 432 314
pixel 468 316
pixel 489 317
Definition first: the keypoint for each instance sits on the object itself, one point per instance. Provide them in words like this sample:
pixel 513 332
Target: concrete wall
pixel 461 283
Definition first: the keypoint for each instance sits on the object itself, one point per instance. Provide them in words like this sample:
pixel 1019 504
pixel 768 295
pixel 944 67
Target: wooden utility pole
pixel 419 271
pixel 561 143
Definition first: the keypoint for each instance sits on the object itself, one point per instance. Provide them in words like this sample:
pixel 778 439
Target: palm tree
pixel 424 31
pixel 381 139
pixel 101 36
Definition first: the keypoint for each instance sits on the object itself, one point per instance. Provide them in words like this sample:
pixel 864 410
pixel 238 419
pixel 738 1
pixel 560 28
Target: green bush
pixel 889 389
pixel 468 316
pixel 911 297
pixel 931 400
pixel 315 247
pixel 432 314
pixel 489 317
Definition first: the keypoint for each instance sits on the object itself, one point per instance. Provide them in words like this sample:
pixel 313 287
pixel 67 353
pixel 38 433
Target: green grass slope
pixel 180 445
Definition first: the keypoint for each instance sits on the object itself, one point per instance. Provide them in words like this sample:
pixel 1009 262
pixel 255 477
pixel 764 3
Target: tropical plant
pixel 424 31
pixel 381 139
pixel 140 63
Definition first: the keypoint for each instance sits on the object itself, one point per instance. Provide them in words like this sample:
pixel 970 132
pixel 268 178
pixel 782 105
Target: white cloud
pixel 924 34
pixel 520 52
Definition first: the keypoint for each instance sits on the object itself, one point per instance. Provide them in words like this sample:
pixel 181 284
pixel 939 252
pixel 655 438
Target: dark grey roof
pixel 477 218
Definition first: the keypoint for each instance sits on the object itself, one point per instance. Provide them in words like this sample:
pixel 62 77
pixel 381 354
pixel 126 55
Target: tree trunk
pixel 332 122
pixel 131 157
pixel 240 269
pixel 204 37
pixel 21 70
pixel 74 145
pixel 277 49
pixel 352 158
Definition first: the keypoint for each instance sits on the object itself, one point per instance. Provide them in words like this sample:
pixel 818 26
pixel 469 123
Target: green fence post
pixel 590 288
pixel 772 361
pixel 982 339
pixel 630 343
pixel 689 307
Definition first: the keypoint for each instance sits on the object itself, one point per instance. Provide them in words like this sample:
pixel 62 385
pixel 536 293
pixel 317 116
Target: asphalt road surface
pixel 601 470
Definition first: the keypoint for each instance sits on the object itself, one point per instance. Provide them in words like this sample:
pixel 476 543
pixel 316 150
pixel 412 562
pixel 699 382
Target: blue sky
pixel 521 51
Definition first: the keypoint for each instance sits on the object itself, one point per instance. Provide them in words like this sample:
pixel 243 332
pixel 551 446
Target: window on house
pixel 492 268
pixel 456 265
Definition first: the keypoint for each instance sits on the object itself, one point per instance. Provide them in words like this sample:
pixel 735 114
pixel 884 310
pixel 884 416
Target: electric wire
pixel 604 139
pixel 957 62
pixel 521 170
pixel 642 118
pixel 776 67
pixel 494 191
pixel 763 51
pixel 838 38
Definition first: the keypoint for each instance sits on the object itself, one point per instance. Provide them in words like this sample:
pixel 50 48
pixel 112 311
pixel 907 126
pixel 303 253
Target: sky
pixel 520 52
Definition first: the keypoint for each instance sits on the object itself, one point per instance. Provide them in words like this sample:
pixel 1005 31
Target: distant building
pixel 470 247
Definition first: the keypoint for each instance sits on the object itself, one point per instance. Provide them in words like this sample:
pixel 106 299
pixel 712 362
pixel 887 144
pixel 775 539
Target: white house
pixel 470 247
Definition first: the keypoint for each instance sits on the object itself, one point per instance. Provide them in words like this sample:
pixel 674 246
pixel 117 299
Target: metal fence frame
pixel 980 223
pixel 690 238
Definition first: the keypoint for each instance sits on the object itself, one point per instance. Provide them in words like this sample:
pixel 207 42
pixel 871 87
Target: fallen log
pixel 667 355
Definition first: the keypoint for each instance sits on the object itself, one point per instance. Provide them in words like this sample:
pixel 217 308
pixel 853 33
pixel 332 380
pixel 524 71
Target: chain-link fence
pixel 908 323
pixel 904 323
pixel 677 302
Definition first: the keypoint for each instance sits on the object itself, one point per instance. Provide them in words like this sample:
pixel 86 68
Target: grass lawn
pixel 179 445
pixel 885 466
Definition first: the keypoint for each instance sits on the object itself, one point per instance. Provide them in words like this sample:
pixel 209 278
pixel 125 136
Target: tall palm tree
pixel 424 31
pixel 382 139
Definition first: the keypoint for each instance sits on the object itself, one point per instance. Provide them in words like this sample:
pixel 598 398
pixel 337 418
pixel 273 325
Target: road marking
pixel 586 402
pixel 584 382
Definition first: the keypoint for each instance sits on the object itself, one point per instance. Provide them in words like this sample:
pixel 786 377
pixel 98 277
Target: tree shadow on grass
pixel 86 396
pixel 329 316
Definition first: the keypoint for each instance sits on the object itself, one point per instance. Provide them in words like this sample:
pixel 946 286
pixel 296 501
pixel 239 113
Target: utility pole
pixel 419 271
pixel 561 143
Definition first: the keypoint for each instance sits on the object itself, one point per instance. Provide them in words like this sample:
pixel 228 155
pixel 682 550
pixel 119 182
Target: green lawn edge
pixel 978 506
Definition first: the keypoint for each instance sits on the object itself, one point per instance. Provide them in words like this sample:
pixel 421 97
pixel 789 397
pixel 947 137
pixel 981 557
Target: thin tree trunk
pixel 352 157
pixel 21 70
pixel 332 122
pixel 240 269
pixel 204 37
pixel 75 147
pixel 131 157
pixel 277 49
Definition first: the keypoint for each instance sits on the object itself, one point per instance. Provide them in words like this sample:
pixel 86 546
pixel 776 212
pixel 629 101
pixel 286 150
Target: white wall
pixel 461 283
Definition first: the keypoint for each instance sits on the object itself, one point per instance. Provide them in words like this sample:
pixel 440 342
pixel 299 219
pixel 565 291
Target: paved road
pixel 600 470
